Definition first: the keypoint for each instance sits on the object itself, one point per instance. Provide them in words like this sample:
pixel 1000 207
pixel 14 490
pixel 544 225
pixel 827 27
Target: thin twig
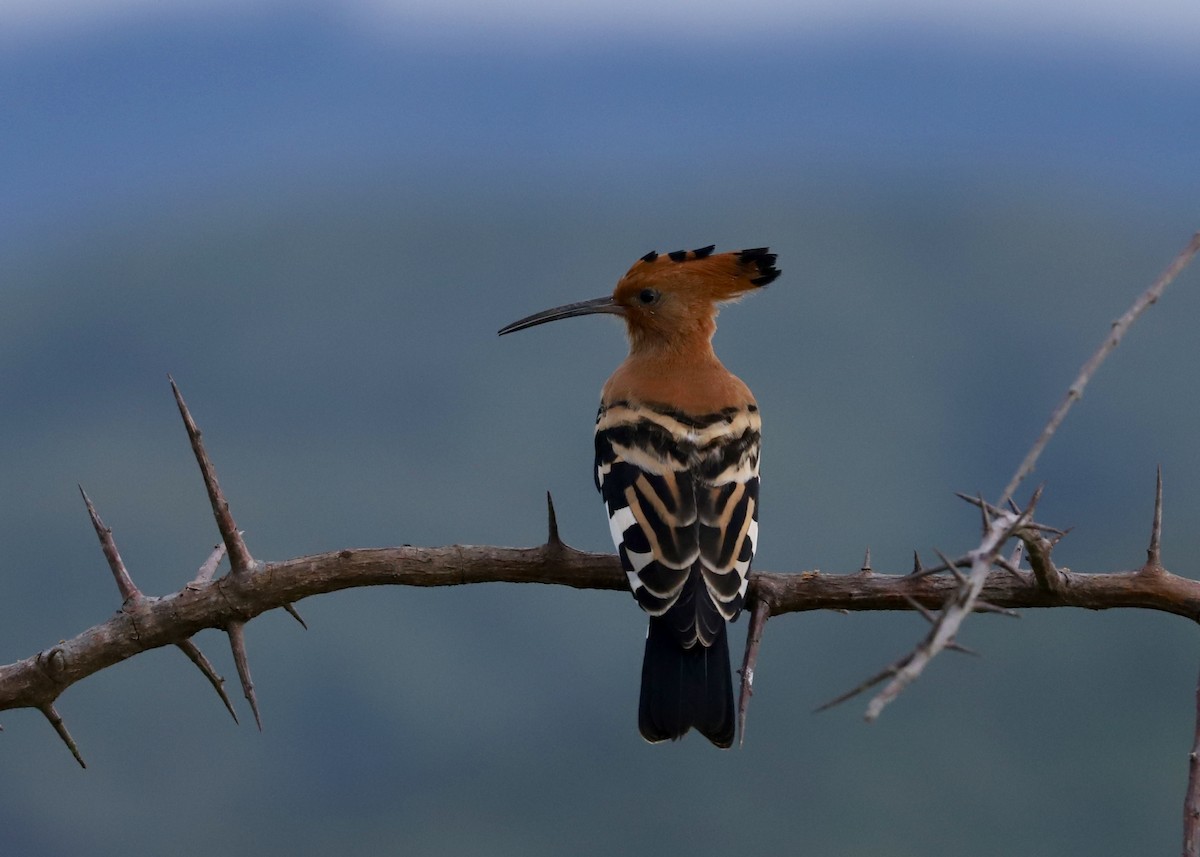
pixel 1191 800
pixel 758 624
pixel 1075 391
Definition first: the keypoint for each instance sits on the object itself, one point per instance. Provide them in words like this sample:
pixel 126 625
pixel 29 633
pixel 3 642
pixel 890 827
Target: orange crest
pixel 666 296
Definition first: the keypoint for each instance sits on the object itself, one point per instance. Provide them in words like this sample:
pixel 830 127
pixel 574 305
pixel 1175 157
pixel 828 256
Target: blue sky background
pixel 316 216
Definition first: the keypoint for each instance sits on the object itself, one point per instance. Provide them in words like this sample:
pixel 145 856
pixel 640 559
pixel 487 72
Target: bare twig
pixel 984 557
pixel 1191 800
pixel 1075 391
pixel 758 624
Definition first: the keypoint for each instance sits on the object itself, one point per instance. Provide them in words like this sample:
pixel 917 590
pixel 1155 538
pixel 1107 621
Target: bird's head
pixel 672 298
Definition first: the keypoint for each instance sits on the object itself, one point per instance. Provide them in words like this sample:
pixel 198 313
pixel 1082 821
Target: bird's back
pixel 681 490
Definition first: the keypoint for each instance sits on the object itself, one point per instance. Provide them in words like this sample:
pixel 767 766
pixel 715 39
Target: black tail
pixel 685 688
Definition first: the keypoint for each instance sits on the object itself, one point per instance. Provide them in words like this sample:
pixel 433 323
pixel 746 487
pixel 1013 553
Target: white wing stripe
pixel 621 520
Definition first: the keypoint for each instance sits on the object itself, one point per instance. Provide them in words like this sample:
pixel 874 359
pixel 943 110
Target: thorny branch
pixel 228 600
pixel 999 526
pixel 942 594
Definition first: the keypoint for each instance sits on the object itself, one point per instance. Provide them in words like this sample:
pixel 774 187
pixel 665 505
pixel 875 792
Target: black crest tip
pixel 764 261
pixel 650 257
pixel 677 255
pixel 703 252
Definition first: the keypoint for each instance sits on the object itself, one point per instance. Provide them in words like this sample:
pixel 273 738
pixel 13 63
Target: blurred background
pixel 317 215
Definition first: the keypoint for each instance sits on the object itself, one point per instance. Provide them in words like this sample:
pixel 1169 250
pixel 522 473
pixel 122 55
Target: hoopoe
pixel 677 445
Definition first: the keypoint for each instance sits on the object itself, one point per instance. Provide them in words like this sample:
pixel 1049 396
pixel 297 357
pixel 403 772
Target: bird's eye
pixel 648 297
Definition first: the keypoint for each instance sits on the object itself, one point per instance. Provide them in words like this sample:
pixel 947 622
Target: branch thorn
pixel 295 615
pixel 950 566
pixel 240 560
pixel 209 568
pixel 552 538
pixel 917 567
pixel 125 584
pixel 197 657
pixel 237 642
pixel 1154 552
pixel 983 511
pixel 52 715
pixel 885 673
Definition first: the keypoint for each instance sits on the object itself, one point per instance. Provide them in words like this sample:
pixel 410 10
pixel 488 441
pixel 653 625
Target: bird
pixel 677 452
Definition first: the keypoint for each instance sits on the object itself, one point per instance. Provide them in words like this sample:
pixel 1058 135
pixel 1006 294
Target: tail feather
pixel 684 689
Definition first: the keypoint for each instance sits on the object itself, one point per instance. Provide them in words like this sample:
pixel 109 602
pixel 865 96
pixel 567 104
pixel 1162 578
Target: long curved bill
pixel 598 305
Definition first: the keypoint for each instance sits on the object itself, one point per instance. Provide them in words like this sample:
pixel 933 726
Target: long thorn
pixel 1010 568
pixel 885 673
pixel 1033 500
pixel 959 647
pixel 987 607
pixel 125 584
pixel 920 608
pixel 1154 552
pixel 552 539
pixel 295 615
pixel 56 721
pixel 916 569
pixel 209 568
pixel 950 566
pixel 237 642
pixel 239 556
pixel 197 657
